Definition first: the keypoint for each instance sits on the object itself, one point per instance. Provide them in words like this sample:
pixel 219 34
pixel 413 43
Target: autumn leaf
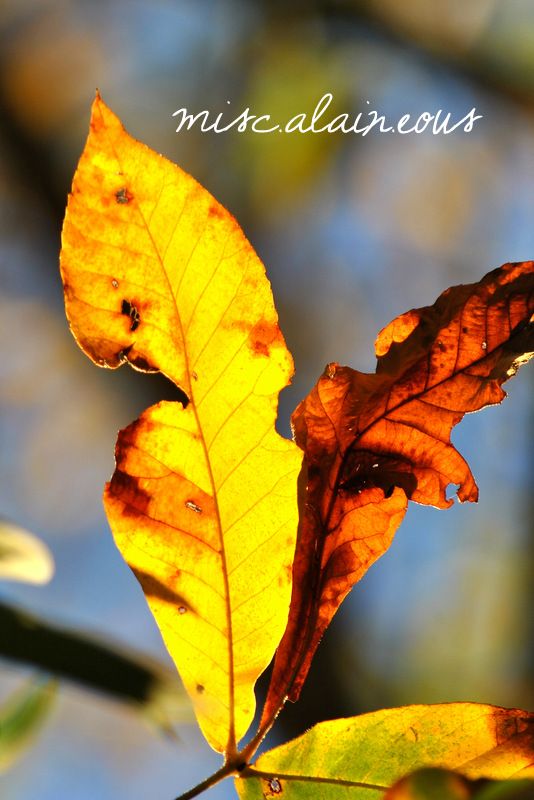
pixel 361 757
pixel 373 442
pixel 23 557
pixel 22 716
pixel 435 783
pixel 202 503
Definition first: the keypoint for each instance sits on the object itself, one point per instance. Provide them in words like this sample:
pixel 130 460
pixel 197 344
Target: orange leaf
pixel 202 503
pixel 373 442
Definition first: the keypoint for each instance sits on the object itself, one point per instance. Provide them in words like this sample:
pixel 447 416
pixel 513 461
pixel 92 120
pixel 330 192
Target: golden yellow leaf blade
pixel 202 504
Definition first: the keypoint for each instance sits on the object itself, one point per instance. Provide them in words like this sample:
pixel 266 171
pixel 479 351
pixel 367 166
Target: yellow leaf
pixel 202 503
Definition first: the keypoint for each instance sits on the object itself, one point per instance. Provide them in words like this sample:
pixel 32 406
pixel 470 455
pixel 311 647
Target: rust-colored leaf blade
pixel 202 503
pixel 373 442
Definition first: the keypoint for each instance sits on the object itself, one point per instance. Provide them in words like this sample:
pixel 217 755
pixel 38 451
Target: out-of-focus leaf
pixel 362 757
pixel 430 783
pixel 127 677
pixel 23 557
pixel 202 503
pixel 288 78
pixel 506 790
pixel 22 716
pixel 434 783
pixel 373 442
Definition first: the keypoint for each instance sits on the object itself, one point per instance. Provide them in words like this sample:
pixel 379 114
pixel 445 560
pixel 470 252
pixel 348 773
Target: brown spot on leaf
pixel 217 211
pixel 115 283
pixel 200 688
pixel 123 196
pixel 366 470
pixel 129 310
pixel 516 730
pixel 141 364
pixel 192 506
pixel 127 488
pixel 262 335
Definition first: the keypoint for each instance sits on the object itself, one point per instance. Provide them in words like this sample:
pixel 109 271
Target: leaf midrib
pixel 252 772
pixel 342 462
pixel 231 742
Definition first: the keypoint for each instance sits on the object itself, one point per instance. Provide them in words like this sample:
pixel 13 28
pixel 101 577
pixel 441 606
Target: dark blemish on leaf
pixel 182 609
pixel 126 488
pixel 194 376
pixel 216 211
pixel 465 329
pixel 153 587
pixel 129 310
pixel 123 196
pixel 261 337
pixel 441 345
pixel 193 507
pixel 200 688
pixel 275 786
pixel 115 283
pixel 415 733
pixel 365 469
pixel 141 364
pixel 517 731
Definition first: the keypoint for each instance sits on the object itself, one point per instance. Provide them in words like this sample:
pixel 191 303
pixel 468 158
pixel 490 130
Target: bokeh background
pixel 353 231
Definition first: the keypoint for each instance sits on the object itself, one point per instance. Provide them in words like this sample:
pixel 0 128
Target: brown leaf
pixel 373 442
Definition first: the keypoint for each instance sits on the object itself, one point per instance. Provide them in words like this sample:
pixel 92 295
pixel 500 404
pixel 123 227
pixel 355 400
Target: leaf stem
pixel 223 772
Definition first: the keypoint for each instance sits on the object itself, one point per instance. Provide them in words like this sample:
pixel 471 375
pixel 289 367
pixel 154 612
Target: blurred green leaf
pixel 23 557
pixel 22 716
pixel 432 783
pixel 507 790
pixel 289 75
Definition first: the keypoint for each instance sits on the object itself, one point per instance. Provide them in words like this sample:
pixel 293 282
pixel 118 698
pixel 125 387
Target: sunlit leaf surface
pixel 202 503
pixel 360 758
pixel 373 442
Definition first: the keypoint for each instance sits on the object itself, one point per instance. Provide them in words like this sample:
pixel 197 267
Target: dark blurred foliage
pixel 353 231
